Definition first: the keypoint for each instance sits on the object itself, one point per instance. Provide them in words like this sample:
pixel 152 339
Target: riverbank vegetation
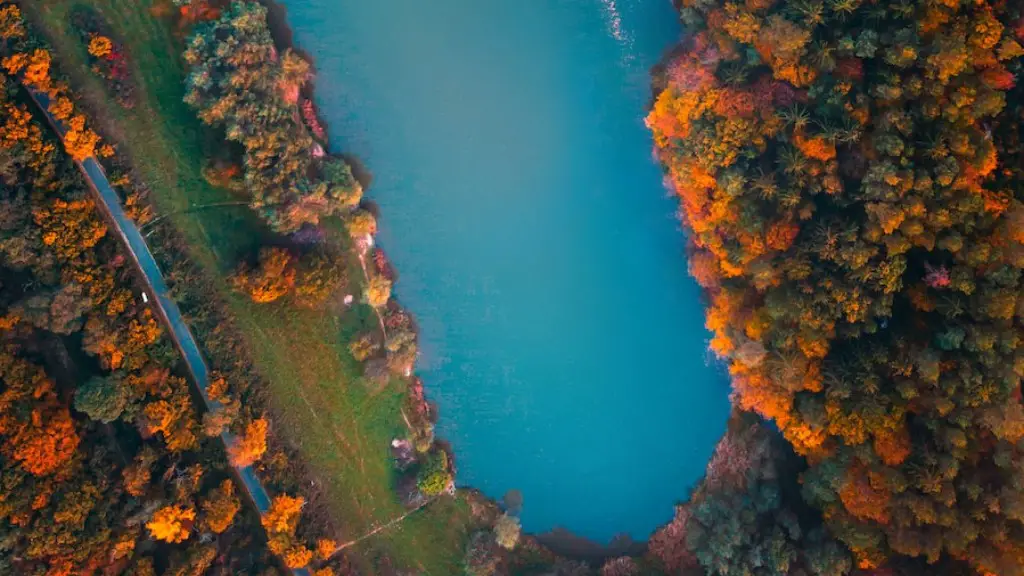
pixel 849 178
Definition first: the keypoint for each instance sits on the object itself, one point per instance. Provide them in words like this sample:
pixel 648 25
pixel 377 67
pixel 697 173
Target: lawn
pixel 342 432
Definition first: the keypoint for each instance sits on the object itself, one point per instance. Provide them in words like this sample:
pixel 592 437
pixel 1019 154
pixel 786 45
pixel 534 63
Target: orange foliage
pixel 16 125
pixel 862 499
pixel 273 279
pixel 218 388
pixel 136 479
pixel 47 443
pixel 171 523
pixel 781 235
pixel 79 141
pixel 806 439
pixel 198 11
pixel 998 78
pixel 995 202
pixel 61 108
pixel 283 515
pixel 71 227
pixel 741 25
pixel 782 43
pixel 61 567
pixel 14 63
pixel 814 147
pixel 11 25
pixel 731 103
pixel 753 390
pixel 250 446
pixel 704 269
pixel 174 419
pixel 325 548
pixel 123 547
pixel 892 446
pixel 100 46
pixel 37 71
pixel 297 556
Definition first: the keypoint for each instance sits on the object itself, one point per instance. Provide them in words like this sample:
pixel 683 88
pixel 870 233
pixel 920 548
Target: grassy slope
pixel 342 432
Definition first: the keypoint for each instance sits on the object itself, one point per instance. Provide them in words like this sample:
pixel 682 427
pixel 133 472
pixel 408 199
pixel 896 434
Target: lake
pixel 535 244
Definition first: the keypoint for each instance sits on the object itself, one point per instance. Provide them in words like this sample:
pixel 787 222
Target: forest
pixel 849 179
pixel 106 467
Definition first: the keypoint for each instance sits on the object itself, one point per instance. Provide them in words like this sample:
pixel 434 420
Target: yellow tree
pixel 171 523
pixel 283 515
pixel 37 72
pixel 378 291
pixel 251 446
pixel 325 548
pixel 100 46
pixel 79 141
pixel 297 556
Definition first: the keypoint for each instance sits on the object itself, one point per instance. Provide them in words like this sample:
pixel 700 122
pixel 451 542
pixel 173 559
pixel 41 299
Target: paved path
pixel 129 234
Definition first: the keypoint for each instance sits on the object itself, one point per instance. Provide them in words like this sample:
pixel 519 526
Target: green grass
pixel 342 431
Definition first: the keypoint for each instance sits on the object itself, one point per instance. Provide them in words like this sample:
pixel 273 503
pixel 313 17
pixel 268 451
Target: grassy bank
pixel 317 402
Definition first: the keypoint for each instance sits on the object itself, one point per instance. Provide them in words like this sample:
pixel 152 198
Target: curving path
pixel 110 204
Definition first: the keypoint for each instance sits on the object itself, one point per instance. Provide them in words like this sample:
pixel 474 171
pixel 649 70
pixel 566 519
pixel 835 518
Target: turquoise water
pixel 536 247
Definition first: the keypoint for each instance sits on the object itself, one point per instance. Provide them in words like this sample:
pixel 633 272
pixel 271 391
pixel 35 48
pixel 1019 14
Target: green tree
pixel 101 398
pixel 434 476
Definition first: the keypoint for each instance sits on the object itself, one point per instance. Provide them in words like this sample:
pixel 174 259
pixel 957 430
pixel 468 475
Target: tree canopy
pixel 849 178
pixel 239 82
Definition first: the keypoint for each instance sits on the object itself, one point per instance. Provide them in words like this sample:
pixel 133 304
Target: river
pixel 560 334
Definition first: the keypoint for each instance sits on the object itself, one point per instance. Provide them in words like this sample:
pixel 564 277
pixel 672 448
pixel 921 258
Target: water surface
pixel 561 336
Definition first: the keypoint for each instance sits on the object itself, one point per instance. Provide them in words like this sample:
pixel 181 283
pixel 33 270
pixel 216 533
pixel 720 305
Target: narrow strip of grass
pixel 342 432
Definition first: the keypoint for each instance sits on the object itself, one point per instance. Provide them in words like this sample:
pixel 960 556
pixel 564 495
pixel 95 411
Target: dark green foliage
pixel 102 399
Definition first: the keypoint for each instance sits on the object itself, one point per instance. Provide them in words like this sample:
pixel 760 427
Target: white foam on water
pixel 613 19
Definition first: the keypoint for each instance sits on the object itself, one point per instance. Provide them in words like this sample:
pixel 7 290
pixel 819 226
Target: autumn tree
pixel 37 428
pixel 173 418
pixel 171 523
pixel 11 25
pixel 272 278
pixel 325 548
pixel 377 291
pixel 100 46
pixel 220 507
pixel 283 515
pixel 297 556
pixel 249 447
pixel 137 476
pixel 361 223
pixel 319 276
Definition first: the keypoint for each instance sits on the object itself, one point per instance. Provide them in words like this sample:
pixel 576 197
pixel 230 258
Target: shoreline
pixel 558 540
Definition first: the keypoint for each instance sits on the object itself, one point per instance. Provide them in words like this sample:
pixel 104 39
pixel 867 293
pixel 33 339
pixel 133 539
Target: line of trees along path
pixel 168 310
